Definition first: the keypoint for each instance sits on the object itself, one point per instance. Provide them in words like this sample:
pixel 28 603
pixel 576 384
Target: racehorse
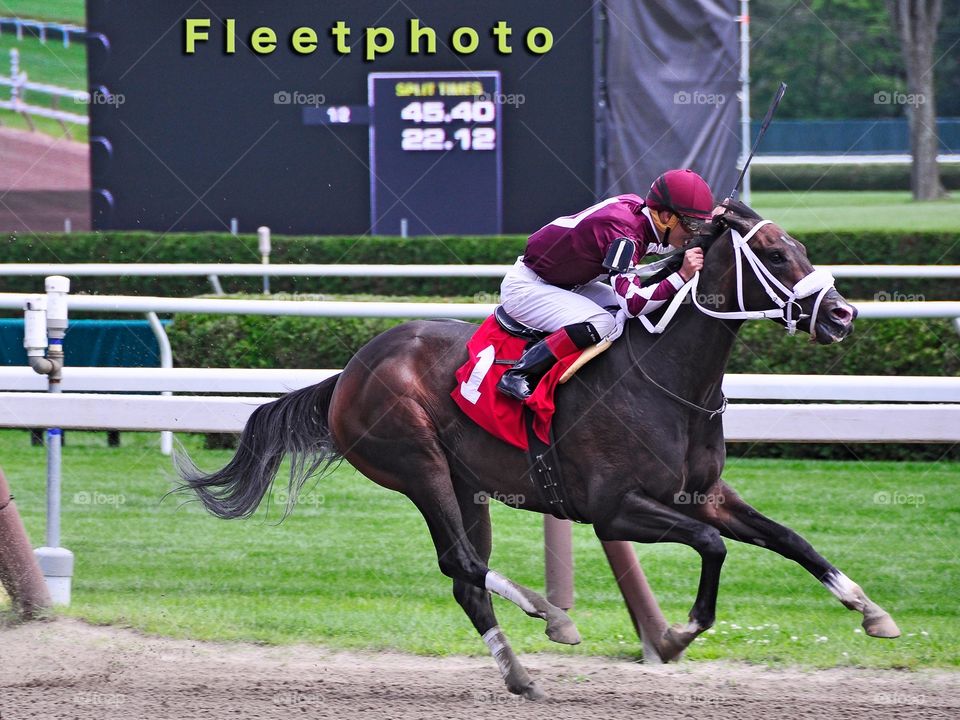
pixel 638 435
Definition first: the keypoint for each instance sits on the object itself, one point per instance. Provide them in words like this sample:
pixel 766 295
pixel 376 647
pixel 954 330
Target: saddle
pixel 517 328
pixel 514 327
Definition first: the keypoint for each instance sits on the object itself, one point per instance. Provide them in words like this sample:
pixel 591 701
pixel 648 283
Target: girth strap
pixel 545 472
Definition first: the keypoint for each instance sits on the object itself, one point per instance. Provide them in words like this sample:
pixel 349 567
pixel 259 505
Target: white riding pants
pixel 533 301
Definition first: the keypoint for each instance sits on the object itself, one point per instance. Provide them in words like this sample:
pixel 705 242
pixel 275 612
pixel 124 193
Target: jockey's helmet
pixel 685 194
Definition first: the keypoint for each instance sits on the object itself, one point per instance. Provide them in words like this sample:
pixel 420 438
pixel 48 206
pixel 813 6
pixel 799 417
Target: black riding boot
pixel 520 380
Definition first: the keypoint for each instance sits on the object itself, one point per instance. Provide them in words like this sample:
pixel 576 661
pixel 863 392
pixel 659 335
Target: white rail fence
pixel 42 29
pixel 325 308
pixel 20 85
pixel 874 409
pixel 361 270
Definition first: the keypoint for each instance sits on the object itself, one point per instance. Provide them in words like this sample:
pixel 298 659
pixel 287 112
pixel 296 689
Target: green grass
pixel 838 210
pixel 71 11
pixel 353 567
pixel 52 64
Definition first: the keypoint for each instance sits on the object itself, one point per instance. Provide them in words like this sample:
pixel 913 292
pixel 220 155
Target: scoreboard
pixel 435 155
pixel 435 152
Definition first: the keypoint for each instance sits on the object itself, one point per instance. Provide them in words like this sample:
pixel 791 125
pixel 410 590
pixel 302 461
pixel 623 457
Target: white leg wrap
pixel 845 589
pixel 498 584
pixel 499 648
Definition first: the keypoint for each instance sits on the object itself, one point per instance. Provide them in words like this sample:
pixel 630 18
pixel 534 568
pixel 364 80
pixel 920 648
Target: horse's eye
pixel 777 257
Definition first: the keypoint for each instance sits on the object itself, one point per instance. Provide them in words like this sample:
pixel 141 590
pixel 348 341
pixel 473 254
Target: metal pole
pixel 404 227
pixel 55 561
pixel 20 573
pixel 558 560
pixel 14 75
pixel 234 226
pixel 263 242
pixel 648 619
pixel 166 361
pixel 744 21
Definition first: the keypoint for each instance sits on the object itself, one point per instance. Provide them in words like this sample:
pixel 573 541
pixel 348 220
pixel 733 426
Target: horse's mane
pixel 739 216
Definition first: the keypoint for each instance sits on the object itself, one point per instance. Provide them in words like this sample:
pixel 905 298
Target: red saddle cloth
pixel 499 414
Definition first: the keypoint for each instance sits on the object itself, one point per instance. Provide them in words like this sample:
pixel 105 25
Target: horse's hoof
pixel 881 626
pixel 675 640
pixel 563 631
pixel 532 692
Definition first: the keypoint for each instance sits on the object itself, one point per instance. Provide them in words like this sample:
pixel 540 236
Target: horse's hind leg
pixel 476 603
pixel 459 560
pixel 735 519
pixel 420 471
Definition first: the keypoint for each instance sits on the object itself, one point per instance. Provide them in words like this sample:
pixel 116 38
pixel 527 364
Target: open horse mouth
pixel 835 319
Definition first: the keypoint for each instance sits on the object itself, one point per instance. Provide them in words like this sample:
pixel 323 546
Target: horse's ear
pixel 738 216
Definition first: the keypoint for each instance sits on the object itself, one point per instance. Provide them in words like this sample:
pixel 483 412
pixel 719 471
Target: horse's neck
pixel 696 347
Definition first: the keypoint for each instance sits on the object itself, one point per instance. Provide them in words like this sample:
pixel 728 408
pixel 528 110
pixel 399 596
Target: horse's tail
pixel 295 424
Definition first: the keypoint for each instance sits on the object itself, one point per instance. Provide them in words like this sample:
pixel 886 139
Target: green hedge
pixel 802 178
pixel 843 247
pixel 877 347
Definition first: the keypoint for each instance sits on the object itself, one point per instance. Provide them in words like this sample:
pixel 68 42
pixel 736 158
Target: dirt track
pixel 67 669
pixel 43 181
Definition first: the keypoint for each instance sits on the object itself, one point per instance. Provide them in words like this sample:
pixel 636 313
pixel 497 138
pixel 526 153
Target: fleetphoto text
pixel 370 42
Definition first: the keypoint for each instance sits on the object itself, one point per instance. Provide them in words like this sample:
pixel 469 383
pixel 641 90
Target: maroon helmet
pixel 684 193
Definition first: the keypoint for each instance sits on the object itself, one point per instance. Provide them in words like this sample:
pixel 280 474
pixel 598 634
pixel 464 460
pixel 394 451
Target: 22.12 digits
pixel 435 139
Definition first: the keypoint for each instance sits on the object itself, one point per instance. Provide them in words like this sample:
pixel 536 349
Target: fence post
pixel 14 75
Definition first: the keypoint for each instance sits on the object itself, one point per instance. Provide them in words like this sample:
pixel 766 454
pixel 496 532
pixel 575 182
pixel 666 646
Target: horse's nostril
pixel 842 314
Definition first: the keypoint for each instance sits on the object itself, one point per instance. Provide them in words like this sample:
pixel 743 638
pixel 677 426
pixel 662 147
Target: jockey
pixel 579 265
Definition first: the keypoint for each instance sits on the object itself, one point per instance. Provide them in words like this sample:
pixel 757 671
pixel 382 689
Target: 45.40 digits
pixel 477 111
pixel 435 139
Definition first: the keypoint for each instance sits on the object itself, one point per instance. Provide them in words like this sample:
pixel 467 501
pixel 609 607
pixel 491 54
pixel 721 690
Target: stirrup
pixel 510 384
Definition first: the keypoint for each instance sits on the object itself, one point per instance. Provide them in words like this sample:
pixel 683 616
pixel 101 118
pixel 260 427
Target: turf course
pixel 71 11
pixel 354 566
pixel 826 211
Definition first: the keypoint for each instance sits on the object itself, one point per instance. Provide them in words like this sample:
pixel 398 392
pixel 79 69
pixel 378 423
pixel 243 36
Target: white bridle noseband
pixel 818 281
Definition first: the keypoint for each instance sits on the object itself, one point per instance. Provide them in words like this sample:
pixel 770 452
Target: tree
pixel 917 22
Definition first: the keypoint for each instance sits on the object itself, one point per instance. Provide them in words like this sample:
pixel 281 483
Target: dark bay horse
pixel 641 455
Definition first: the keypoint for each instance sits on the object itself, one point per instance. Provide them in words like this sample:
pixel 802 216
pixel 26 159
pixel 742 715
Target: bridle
pixel 817 281
pixel 787 307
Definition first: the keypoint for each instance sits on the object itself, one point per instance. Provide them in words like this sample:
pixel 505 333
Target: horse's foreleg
pixel 476 603
pixel 642 519
pixel 724 509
